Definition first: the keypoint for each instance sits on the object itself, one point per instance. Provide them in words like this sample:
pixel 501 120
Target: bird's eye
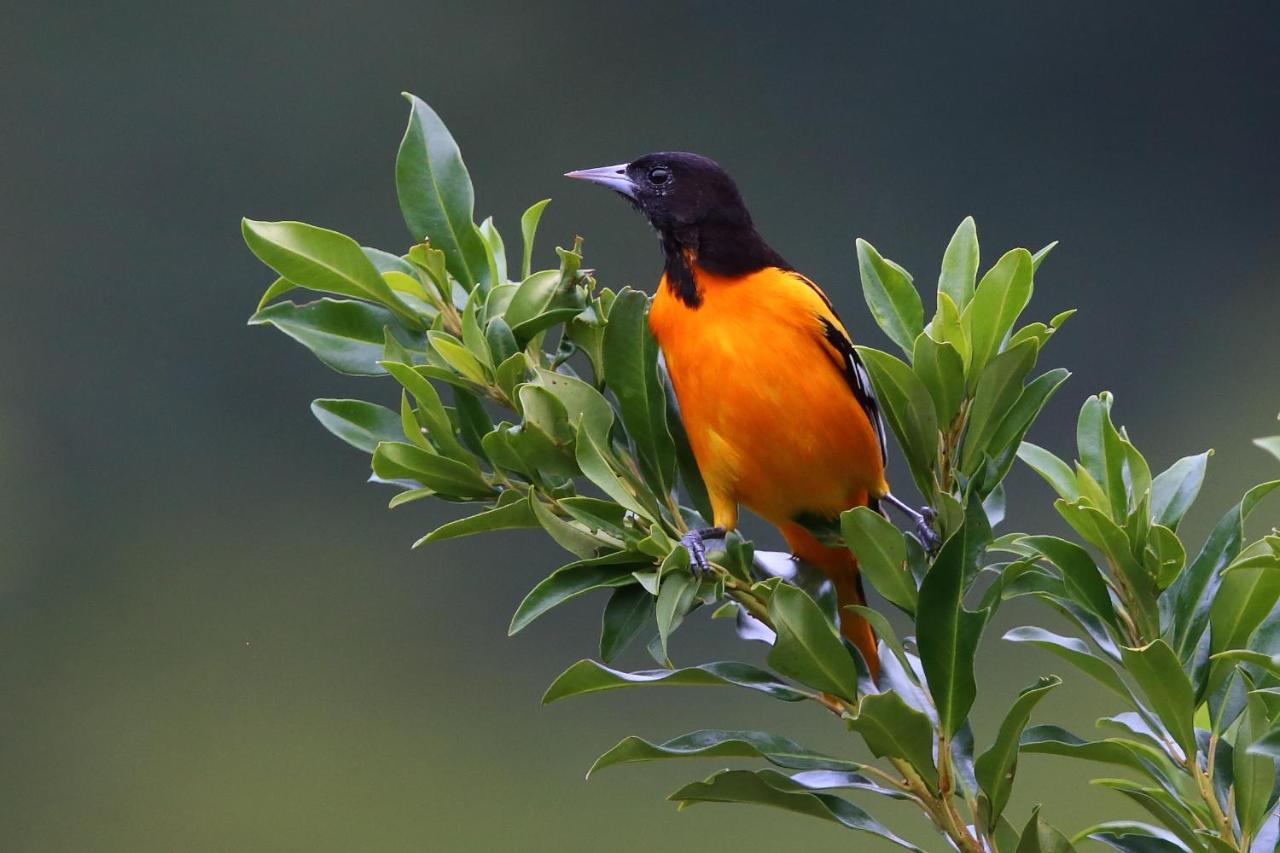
pixel 659 175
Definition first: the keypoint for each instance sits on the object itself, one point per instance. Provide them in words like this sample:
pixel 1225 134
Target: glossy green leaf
pixel 361 425
pixel 571 536
pixel 946 633
pixel 997 391
pixel 770 788
pixel 393 461
pixel 891 296
pixel 808 648
pixel 882 555
pixel 1124 752
pixel 1039 837
pixel 1159 675
pixel 1271 444
pixel 941 369
pixel 631 371
pixel 675 597
pixel 946 327
pixel 716 743
pixel 1055 472
pixel 908 408
pixel 1073 650
pixel 1174 815
pixel 436 198
pixel 320 259
pixel 278 288
pixel 1254 772
pixel 587 676
pixel 1134 837
pixel 892 728
pixel 996 767
pixel 528 230
pixel 1102 454
pixel 345 335
pixel 960 264
pixel 1083 580
pixel 458 357
pixel 1174 490
pixel 510 516
pixel 1000 297
pixel 1244 598
pixel 567 583
pixel 431 410
pixel 1185 604
pixel 497 251
pixel 630 612
pixel 1016 422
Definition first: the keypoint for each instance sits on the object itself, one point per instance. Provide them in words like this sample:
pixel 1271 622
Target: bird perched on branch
pixel 779 410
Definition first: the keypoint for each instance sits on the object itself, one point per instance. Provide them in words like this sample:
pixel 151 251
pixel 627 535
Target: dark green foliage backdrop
pixel 213 639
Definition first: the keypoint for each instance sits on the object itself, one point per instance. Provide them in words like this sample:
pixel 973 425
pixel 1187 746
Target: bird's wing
pixel 855 373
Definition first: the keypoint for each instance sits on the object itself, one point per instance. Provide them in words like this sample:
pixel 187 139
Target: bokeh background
pixel 214 636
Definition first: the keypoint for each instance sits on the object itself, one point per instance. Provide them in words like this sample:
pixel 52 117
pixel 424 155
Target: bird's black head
pixel 697 211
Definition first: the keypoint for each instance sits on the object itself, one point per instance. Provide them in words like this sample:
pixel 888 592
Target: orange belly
pixel 771 419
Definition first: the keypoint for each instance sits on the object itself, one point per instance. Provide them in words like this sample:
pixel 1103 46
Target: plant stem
pixel 1205 783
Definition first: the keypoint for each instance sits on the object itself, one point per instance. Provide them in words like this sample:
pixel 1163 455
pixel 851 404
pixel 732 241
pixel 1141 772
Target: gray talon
pixel 695 543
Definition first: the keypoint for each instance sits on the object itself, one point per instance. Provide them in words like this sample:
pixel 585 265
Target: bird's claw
pixel 924 529
pixel 695 543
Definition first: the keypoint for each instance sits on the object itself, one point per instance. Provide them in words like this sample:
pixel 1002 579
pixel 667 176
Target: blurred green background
pixel 214 637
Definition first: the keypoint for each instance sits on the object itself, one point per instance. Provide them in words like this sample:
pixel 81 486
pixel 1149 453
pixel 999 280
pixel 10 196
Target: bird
pixel 779 410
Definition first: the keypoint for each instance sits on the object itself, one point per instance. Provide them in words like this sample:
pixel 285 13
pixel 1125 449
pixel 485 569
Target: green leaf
pixel 1173 491
pixel 770 788
pixel 1004 444
pixel 882 555
pixel 675 597
pixel 496 250
pixel 1271 444
pixel 1055 472
pixel 431 410
pixel 596 462
pixel 528 229
pixel 1175 815
pixel 569 582
pixel 629 612
pixel 946 327
pixel 998 301
pixel 1081 577
pixel 587 676
pixel 436 198
pixel 395 461
pixel 573 537
pixel 1125 752
pixel 1254 772
pixel 997 391
pixel 345 335
pixel 716 743
pixel 510 516
pixel 278 288
pixel 1102 454
pixel 941 369
pixel 1243 600
pixel 1133 837
pixel 960 264
pixel 995 768
pixel 458 357
pixel 320 259
pixel 1036 260
pixel 631 371
pixel 1073 650
pixel 1039 837
pixel 808 648
pixel 361 425
pixel 584 402
pixel 893 728
pixel 1159 675
pixel 891 296
pixel 1184 606
pixel 946 633
pixel 909 410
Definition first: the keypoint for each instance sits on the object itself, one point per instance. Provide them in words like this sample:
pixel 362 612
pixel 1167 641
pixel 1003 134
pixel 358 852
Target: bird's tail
pixel 841 567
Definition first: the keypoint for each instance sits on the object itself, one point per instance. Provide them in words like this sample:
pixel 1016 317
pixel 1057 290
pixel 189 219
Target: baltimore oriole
pixel 779 410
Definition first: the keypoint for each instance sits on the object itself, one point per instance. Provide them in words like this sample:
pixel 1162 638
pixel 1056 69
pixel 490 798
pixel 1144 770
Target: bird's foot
pixel 695 543
pixel 923 519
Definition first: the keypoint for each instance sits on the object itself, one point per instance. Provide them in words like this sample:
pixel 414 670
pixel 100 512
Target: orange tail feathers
pixel 841 568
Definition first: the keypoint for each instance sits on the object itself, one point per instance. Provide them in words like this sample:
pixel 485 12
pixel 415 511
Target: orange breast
pixel 771 420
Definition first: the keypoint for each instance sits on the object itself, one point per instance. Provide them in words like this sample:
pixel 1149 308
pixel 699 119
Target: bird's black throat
pixel 720 248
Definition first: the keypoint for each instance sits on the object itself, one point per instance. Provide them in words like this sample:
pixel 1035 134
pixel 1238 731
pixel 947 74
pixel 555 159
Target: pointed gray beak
pixel 613 177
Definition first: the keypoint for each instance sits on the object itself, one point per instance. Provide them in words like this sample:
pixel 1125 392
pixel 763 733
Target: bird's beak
pixel 613 177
